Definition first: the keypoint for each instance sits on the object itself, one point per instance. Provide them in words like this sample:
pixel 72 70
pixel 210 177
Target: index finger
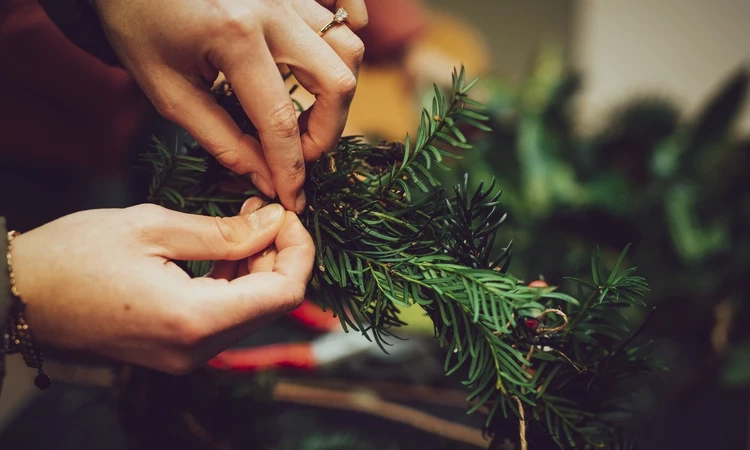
pixel 263 95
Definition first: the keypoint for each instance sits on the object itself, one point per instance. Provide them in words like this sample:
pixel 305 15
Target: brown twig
pixel 371 404
pixel 397 391
pixel 196 428
pixel 723 313
pixel 361 396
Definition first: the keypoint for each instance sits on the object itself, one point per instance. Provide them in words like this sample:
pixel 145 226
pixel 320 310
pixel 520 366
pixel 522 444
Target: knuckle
pixel 295 173
pixel 298 170
pixel 229 235
pixel 296 295
pixel 147 220
pixel 309 248
pixel 228 158
pixel 234 25
pixel 146 210
pixel 186 332
pixel 168 107
pixel 354 48
pixel 236 22
pixel 240 23
pixel 363 21
pixel 290 174
pixel 357 21
pixel 283 121
pixel 345 83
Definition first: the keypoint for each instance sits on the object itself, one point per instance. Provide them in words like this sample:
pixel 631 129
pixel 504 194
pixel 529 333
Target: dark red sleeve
pixel 60 104
pixel 393 25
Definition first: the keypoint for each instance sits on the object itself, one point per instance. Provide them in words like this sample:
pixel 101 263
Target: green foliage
pixel 193 184
pixel 388 235
pixel 736 371
pixel 676 186
pixel 185 181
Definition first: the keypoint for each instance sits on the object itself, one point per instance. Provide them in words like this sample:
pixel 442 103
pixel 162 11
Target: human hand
pixel 104 281
pixel 175 49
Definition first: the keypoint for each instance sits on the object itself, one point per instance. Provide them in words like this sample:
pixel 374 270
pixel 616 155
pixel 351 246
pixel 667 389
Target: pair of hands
pixel 104 280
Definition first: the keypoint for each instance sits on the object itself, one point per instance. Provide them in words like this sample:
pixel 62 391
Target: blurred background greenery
pixel 674 187
pixel 663 167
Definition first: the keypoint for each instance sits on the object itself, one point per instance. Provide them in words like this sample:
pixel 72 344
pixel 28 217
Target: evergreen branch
pixel 381 244
pixel 584 308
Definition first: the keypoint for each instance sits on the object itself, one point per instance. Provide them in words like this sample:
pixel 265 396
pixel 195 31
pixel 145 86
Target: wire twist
pixel 545 313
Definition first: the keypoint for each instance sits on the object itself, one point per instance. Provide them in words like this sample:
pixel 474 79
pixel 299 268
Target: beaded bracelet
pixel 19 335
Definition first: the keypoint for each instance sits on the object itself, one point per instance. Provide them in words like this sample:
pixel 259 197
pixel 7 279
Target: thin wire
pixel 521 425
pixel 556 329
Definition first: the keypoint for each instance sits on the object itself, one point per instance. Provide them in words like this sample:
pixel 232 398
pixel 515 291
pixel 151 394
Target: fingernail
pixel 257 202
pixel 268 215
pixel 264 185
pixel 301 202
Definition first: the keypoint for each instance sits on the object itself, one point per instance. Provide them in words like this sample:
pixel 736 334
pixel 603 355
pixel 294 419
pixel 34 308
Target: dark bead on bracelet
pixel 42 381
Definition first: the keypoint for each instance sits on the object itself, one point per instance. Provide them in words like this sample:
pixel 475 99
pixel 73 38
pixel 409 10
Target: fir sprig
pixel 387 236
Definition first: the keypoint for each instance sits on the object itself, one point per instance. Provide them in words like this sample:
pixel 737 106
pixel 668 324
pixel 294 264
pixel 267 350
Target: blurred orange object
pixel 408 47
pixel 392 27
pixel 311 316
pixel 324 350
pixel 275 356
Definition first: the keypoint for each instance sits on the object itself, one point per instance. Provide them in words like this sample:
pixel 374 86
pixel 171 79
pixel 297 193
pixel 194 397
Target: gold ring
pixel 340 17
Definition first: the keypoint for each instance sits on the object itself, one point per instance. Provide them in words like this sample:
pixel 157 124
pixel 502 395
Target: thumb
pixel 189 237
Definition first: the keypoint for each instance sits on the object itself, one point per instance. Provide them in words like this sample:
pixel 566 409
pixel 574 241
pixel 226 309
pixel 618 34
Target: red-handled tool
pixel 312 317
pixel 326 349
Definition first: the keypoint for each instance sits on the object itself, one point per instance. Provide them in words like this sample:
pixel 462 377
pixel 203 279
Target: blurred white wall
pixel 682 48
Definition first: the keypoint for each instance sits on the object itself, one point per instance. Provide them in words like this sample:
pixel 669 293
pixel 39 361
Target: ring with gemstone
pixel 340 17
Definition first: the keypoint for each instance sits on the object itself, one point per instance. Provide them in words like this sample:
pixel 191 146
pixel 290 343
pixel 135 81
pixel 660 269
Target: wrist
pixel 20 334
pixel 23 266
pixel 5 297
